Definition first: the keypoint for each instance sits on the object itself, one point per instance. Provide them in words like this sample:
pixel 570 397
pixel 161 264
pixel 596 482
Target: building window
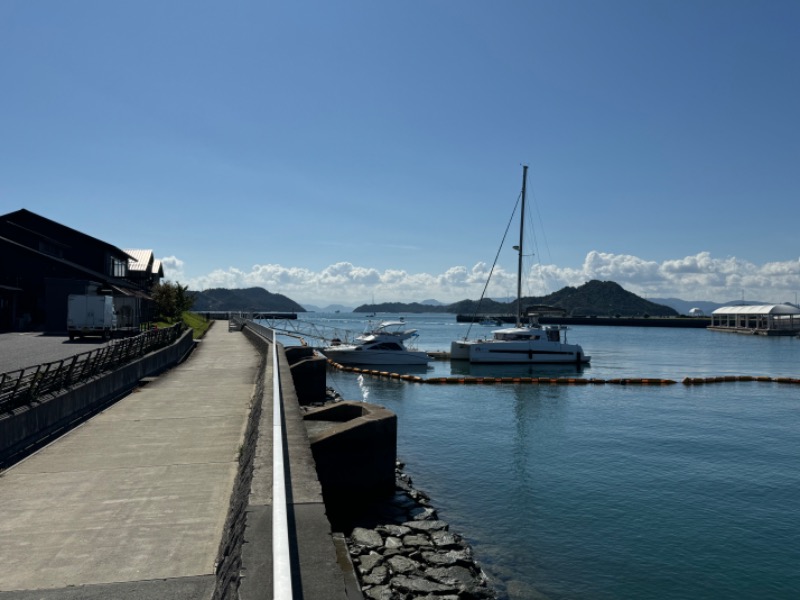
pixel 50 248
pixel 119 268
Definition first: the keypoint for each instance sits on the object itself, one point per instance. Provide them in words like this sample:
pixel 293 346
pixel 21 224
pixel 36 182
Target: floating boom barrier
pixel 558 380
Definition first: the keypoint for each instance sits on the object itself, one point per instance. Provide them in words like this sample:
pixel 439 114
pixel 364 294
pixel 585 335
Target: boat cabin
pixel 392 346
pixel 517 334
pixel 551 333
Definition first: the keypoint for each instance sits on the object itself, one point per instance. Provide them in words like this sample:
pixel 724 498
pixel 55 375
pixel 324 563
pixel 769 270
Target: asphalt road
pixel 20 350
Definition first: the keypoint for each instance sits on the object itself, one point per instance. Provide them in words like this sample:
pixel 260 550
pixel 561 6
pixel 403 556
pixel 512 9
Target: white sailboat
pixel 521 344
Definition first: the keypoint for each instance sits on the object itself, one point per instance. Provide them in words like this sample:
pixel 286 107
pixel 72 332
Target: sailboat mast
pixel 521 236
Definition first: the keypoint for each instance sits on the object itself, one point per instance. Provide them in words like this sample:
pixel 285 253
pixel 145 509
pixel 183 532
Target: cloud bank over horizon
pixel 698 277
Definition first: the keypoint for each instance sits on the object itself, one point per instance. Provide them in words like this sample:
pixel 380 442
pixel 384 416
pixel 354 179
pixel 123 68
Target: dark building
pixel 42 262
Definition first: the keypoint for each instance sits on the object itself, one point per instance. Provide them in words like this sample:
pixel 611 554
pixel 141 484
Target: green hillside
pixel 249 299
pixel 599 298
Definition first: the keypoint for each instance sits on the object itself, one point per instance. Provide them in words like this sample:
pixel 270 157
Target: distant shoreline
pixel 685 322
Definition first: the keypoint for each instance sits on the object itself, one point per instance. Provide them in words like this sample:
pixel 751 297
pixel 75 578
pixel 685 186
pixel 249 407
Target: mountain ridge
pixel 593 298
pixel 243 299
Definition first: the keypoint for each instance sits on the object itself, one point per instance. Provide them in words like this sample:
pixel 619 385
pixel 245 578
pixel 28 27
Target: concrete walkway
pixel 132 504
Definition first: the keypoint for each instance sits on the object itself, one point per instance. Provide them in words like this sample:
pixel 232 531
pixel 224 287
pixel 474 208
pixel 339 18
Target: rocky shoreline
pixel 401 550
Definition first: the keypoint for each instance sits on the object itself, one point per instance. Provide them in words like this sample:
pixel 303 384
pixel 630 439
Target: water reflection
pixel 420 370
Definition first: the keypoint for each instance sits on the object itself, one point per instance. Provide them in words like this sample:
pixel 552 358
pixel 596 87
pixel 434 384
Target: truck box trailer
pixel 90 315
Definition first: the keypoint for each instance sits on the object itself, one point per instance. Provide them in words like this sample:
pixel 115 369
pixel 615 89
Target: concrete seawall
pixel 354 445
pixel 320 563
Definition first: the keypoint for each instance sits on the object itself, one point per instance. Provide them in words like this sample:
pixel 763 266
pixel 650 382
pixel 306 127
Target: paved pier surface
pixel 132 504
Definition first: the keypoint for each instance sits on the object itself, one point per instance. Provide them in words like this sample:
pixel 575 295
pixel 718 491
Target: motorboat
pixel 529 343
pixel 490 322
pixel 381 345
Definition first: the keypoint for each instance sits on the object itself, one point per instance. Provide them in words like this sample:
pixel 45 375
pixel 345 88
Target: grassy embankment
pixel 198 324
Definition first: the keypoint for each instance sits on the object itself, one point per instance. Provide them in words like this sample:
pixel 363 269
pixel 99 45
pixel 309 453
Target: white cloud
pixel 698 277
pixel 604 266
pixel 173 268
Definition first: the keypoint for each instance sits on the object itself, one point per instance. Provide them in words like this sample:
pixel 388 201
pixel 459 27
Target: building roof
pixel 27 220
pixel 758 309
pixel 84 271
pixel 143 260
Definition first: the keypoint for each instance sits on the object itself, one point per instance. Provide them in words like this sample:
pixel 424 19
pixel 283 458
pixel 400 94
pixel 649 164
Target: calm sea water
pixel 612 492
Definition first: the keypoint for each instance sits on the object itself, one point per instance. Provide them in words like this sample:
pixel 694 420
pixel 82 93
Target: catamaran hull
pixel 518 353
pixel 376 357
pixel 459 350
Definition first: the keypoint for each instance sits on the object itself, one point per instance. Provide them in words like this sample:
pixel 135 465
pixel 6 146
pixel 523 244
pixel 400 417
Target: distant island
pixel 253 299
pixel 594 298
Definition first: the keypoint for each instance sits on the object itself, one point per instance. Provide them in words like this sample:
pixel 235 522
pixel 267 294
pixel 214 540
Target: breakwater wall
pixel 245 553
pixel 354 445
pixel 27 427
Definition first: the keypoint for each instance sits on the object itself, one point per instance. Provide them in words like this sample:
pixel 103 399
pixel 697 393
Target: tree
pixel 184 299
pixel 171 299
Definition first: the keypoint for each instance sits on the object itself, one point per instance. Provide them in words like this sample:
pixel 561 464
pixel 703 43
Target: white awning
pixel 758 309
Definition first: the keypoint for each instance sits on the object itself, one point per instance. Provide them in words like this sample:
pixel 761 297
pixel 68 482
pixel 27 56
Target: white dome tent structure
pixel 759 319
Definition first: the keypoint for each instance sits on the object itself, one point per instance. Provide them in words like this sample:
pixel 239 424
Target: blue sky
pixel 345 151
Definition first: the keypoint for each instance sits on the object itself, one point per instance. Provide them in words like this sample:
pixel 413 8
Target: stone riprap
pixel 401 550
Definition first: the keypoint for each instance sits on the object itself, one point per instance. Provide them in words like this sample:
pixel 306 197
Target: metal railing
pixel 21 387
pixel 282 579
pixel 281 557
pixel 306 329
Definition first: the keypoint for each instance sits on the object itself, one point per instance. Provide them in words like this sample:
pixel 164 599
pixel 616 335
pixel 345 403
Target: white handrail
pixel 281 562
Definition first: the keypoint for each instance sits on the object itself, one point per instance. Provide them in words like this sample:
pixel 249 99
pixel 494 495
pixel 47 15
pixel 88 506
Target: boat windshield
pixel 553 335
pixel 516 334
pixel 387 346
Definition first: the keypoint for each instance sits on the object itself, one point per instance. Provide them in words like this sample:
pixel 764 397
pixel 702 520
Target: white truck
pixel 90 315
